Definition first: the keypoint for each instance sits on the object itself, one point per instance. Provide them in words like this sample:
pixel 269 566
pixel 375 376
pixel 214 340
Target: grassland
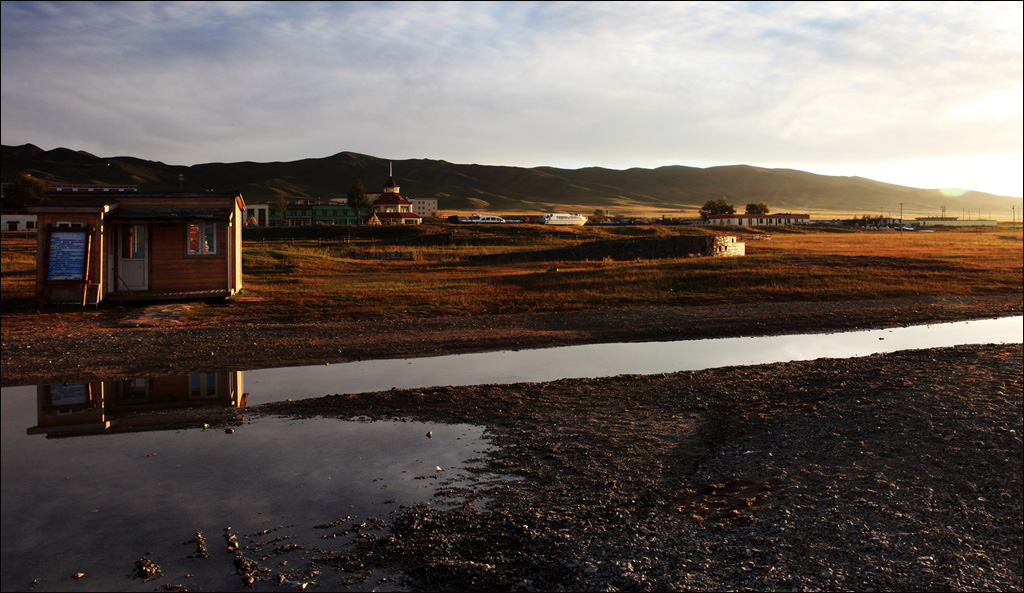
pixel 330 272
pixel 796 264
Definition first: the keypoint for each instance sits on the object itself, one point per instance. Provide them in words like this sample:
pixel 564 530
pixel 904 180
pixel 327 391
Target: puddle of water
pixel 606 360
pixel 97 504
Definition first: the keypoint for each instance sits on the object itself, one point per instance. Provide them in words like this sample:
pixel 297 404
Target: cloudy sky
pixel 925 94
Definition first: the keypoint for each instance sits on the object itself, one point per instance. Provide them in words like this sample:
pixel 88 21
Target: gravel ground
pixel 894 472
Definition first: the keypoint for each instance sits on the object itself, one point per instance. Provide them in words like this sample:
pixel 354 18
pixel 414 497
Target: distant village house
pixel 387 207
pixel 390 207
pixel 424 207
pixel 305 212
pixel 759 219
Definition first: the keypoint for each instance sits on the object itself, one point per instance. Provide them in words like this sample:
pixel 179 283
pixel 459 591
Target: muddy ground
pixel 893 472
pixel 92 344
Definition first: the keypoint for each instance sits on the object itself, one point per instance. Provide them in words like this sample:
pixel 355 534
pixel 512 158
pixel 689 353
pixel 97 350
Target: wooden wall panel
pixel 171 269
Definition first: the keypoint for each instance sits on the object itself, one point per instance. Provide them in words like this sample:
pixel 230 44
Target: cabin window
pixel 70 224
pixel 133 241
pixel 202 238
pixel 202 386
pixel 133 390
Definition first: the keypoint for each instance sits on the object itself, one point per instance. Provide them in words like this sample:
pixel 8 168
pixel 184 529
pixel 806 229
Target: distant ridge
pixel 672 190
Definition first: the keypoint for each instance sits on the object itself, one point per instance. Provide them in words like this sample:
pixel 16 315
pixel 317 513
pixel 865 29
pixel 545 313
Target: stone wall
pixel 729 247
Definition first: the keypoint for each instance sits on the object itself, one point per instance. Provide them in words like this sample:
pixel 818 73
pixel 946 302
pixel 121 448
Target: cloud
pixel 518 83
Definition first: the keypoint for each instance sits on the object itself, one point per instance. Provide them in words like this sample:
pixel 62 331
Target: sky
pixel 924 94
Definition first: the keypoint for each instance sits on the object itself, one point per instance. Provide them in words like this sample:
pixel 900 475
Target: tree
pixel 24 193
pixel 280 204
pixel 600 213
pixel 757 208
pixel 357 199
pixel 719 206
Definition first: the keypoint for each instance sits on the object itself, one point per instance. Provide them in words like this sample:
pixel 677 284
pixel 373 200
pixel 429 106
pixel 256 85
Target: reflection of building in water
pixel 129 405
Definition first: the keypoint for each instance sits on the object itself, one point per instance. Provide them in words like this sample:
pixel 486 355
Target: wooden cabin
pixel 137 247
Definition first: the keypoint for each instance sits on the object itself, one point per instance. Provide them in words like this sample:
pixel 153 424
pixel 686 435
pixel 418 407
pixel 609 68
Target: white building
pixel 424 207
pixel 17 221
pixel 759 219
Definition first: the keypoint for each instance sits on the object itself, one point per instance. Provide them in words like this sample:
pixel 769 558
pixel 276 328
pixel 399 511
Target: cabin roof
pixel 172 214
pixel 76 204
pixel 158 205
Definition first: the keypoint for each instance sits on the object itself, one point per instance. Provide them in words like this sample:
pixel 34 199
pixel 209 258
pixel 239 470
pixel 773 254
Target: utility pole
pixel 901 219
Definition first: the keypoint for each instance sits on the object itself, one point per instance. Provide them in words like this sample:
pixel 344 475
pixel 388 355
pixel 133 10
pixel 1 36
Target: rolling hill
pixel 672 190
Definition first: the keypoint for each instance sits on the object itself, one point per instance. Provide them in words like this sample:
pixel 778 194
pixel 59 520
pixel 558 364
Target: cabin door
pixel 133 258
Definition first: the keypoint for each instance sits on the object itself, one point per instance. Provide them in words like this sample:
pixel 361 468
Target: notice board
pixel 68 257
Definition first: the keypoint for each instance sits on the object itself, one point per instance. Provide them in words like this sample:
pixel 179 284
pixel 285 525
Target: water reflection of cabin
pixel 142 246
pixel 129 405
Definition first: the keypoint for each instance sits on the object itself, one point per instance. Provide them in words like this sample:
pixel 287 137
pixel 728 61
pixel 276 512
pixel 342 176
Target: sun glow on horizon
pixel 998 174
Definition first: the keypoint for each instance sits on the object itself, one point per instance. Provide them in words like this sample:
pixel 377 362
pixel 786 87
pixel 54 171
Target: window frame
pixel 204 248
pixel 203 386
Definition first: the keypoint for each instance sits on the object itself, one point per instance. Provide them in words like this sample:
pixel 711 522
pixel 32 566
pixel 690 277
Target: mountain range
pixel 671 190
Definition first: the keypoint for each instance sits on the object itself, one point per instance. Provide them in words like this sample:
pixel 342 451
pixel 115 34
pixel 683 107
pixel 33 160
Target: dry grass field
pixel 17 270
pixel 366 273
pixel 328 277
